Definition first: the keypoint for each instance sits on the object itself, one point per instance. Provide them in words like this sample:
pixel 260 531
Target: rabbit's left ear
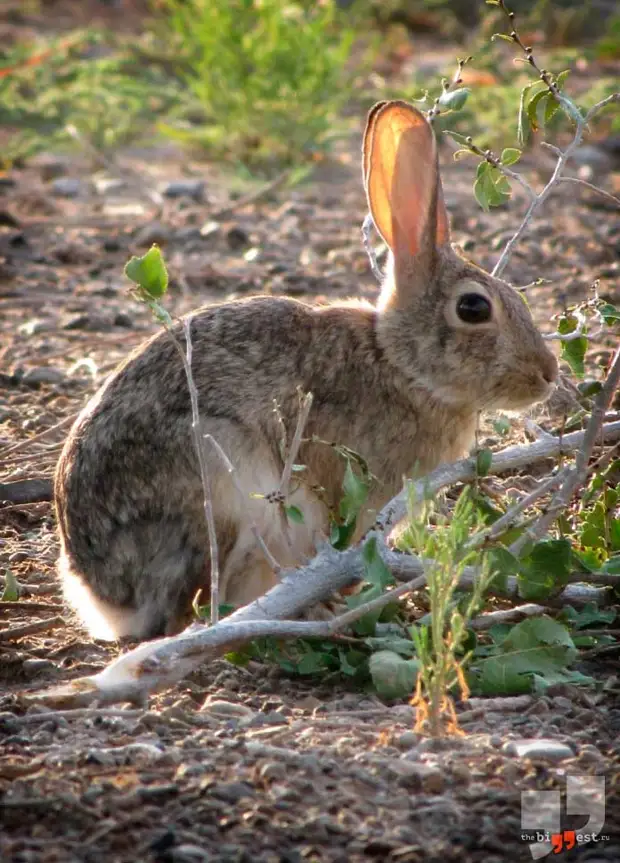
pixel 401 177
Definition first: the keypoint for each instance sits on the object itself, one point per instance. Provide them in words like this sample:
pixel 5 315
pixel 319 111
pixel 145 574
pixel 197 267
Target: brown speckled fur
pixel 399 384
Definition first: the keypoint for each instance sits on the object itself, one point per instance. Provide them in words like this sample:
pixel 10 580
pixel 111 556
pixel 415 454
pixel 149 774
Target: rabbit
pixel 401 382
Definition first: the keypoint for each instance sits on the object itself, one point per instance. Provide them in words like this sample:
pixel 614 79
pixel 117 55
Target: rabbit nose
pixel 549 368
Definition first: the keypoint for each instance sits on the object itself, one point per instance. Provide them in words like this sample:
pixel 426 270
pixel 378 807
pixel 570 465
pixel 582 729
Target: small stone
pixel 210 228
pixel 231 792
pixel 190 234
pixel 43 375
pixel 416 775
pixel 187 853
pixel 49 166
pixel 92 323
pixel 33 327
pixel 67 187
pixel 227 708
pixel 109 185
pixel 122 319
pixel 564 704
pixel 538 748
pixel 273 771
pixel 18 556
pixel 407 739
pixel 237 238
pixel 184 189
pixel 155 232
pixel 309 703
pixel 36 666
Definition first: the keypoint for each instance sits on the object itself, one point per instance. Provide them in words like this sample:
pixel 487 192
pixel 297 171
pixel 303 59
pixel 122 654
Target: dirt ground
pixel 245 764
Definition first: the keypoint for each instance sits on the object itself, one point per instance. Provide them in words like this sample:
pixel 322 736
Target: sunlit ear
pixel 367 144
pixel 403 186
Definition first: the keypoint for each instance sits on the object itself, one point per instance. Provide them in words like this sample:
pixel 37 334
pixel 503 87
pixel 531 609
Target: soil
pixel 246 764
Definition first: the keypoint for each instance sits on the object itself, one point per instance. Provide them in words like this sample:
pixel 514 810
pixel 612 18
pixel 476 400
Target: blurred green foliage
pixel 263 83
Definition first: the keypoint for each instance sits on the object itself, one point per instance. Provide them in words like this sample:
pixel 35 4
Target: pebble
pixel 227 708
pixel 564 704
pixel 538 748
pixel 273 771
pixel 92 323
pixel 231 792
pixel 109 185
pixel 43 375
pixel 183 189
pixel 34 666
pixel 122 319
pixel 187 853
pixel 49 166
pixel 155 232
pixel 33 327
pixel 237 238
pixel 67 187
pixel 413 774
pixel 407 739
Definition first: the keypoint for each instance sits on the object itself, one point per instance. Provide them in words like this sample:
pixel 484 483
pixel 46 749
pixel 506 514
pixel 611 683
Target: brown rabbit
pixel 400 383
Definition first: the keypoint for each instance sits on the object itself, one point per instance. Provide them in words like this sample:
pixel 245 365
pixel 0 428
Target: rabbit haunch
pixel 400 383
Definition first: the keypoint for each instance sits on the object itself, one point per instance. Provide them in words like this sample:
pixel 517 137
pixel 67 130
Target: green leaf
pixel 484 459
pixel 456 136
pixel 551 108
pixel 539 647
pixel 149 273
pixel 503 36
pixel 588 616
pixel 503 564
pixel 574 351
pixel 377 572
pixel 294 514
pixel 397 644
pixel 545 570
pixel 510 155
pixel 460 154
pixel 501 426
pixel 365 626
pixel 532 108
pixel 612 566
pixel 561 77
pixel 454 100
pixel 610 313
pixel 355 493
pixel 11 587
pixel 523 127
pixel 393 677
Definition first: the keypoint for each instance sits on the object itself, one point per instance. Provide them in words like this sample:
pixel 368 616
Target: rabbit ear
pixel 368 136
pixel 402 181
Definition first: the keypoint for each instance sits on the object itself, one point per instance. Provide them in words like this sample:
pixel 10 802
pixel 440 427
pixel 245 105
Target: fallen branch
pixel 512 458
pixel 158 664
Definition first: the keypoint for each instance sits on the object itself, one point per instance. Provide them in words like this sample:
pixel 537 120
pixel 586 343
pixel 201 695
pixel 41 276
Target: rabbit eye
pixel 473 309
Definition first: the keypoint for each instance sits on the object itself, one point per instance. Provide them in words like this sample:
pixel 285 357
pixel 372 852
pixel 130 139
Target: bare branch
pixel 155 665
pixel 577 476
pixel 512 458
pixel 204 472
pixel 607 195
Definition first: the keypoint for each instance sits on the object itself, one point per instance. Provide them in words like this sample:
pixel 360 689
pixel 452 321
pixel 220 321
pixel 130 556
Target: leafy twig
pixel 577 475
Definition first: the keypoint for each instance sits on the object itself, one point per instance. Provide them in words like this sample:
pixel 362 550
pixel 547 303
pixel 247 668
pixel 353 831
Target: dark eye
pixel 473 309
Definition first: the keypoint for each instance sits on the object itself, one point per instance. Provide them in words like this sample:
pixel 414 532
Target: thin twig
pixel 204 472
pixel 607 195
pixel 511 458
pixel 577 475
pixel 305 404
pixel 34 628
pixel 273 563
pixel 22 444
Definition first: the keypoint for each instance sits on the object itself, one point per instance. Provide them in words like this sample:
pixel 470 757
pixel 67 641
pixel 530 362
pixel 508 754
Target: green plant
pixel 266 78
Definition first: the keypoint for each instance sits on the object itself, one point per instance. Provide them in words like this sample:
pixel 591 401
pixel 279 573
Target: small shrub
pixel 267 76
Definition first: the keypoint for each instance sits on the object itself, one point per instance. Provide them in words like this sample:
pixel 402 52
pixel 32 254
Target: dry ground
pixel 243 764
